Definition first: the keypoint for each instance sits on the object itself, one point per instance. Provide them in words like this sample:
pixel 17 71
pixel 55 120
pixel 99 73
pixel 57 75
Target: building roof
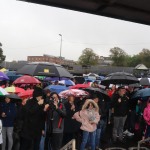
pixel 141 67
pixel 130 10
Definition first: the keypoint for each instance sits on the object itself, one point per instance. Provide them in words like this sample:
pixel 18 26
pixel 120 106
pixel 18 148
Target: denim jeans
pixel 118 127
pixel 100 132
pixel 97 138
pixel 7 132
pixel 85 137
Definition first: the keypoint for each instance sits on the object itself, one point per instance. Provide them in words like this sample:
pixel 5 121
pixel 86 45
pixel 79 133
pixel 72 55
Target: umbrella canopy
pixel 55 78
pixel 143 93
pixel 12 75
pixel 119 78
pixel 14 89
pixel 56 88
pixel 3 92
pixel 26 79
pixel 44 69
pixel 97 91
pixel 3 76
pixel 67 82
pixel 3 70
pixel 79 86
pixel 74 92
pixel 144 81
pixel 26 94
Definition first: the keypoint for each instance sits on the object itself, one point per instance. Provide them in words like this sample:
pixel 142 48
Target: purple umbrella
pixel 3 76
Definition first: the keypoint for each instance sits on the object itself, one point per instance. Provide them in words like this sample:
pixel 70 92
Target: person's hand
pixel 92 122
pixel 119 100
pixel 3 114
pixel 46 107
pixel 73 107
pixel 41 102
pixel 43 133
pixel 56 104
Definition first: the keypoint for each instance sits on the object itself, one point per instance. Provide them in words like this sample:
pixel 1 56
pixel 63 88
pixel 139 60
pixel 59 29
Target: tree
pixel 88 57
pixel 2 57
pixel 118 56
pixel 144 56
pixel 133 61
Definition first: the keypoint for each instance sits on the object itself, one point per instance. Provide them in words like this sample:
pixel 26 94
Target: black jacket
pixel 33 119
pixel 120 109
pixel 55 119
pixel 70 125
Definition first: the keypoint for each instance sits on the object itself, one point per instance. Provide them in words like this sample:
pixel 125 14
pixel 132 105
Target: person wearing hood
pixel 146 115
pixel 33 121
pixel 89 118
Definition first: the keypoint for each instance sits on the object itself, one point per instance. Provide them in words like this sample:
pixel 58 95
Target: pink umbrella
pixel 26 79
pixel 74 92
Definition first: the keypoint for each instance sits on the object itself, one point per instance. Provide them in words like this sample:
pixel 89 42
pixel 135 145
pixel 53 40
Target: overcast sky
pixel 28 29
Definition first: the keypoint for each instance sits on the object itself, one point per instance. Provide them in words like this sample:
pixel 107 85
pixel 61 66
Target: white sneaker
pixel 126 132
pixel 130 134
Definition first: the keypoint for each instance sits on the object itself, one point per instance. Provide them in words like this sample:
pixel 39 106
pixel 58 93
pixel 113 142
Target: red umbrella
pixel 26 94
pixel 80 86
pixel 26 80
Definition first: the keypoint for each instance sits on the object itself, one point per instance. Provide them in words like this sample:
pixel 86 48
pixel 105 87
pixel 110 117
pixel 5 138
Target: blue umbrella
pixel 56 88
pixel 67 82
pixel 143 93
pixel 3 76
pixel 12 75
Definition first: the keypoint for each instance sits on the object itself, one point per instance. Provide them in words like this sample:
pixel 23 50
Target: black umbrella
pixel 119 78
pixel 44 69
pixel 97 91
pixel 145 81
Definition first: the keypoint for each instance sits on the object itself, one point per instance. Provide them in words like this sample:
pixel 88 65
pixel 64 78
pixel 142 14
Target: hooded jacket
pixel 83 117
pixel 146 113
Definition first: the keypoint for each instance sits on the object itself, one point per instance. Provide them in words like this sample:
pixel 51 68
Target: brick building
pixel 51 59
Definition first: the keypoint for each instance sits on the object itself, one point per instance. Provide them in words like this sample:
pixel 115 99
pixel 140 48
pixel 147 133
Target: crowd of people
pixel 48 122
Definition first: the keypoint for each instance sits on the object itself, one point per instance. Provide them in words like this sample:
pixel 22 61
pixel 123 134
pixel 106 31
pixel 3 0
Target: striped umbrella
pixel 14 89
pixel 3 92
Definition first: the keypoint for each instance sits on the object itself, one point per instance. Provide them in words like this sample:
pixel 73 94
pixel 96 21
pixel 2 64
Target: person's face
pixel 122 91
pixel 96 100
pixel 39 98
pixel 48 94
pixel 130 89
pixel 113 87
pixel 55 97
pixel 7 100
pixel 71 99
pixel 90 106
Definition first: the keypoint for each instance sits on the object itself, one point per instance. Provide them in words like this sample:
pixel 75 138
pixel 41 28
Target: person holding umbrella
pixel 8 113
pixel 71 126
pixel 33 121
pixel 120 109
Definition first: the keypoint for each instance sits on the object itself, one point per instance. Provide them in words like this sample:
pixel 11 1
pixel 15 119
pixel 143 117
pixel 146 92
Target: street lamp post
pixel 60 44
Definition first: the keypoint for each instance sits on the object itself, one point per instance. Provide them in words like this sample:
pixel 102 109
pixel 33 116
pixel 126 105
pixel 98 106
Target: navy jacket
pixel 10 110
